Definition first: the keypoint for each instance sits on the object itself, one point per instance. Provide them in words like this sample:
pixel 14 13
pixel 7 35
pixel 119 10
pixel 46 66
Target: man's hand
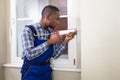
pixel 69 36
pixel 54 38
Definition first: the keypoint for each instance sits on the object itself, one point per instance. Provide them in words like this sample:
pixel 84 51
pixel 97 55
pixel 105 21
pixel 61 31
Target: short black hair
pixel 49 9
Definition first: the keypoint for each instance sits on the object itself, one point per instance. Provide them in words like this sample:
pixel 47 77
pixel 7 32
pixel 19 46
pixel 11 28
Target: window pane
pixel 61 4
pixel 20 25
pixel 27 8
pixel 63 26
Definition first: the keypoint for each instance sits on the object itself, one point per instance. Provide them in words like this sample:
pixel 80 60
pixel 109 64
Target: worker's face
pixel 54 20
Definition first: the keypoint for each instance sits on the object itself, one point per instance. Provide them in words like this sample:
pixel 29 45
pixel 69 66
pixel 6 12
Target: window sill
pixel 54 68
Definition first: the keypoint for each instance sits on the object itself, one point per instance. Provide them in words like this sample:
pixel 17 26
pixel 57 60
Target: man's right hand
pixel 54 38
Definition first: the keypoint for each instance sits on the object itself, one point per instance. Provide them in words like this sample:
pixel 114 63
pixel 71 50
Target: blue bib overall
pixel 38 68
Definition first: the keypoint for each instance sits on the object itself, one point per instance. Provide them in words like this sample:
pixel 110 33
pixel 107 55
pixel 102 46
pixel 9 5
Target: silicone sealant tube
pixel 60 32
pixel 64 32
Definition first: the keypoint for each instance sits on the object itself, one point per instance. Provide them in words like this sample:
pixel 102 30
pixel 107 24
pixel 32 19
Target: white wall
pixel 3 37
pixel 3 32
pixel 100 29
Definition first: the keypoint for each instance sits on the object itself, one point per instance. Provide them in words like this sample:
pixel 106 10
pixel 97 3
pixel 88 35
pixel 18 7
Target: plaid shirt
pixel 32 52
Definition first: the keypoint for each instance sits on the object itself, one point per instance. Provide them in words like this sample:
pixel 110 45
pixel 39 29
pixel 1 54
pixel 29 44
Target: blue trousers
pixel 38 73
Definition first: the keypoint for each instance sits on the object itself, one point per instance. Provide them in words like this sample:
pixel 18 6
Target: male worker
pixel 39 47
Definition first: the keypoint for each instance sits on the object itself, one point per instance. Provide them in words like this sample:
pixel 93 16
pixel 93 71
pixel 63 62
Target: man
pixel 39 46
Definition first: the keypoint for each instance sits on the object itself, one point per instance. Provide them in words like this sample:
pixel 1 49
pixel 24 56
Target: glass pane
pixel 20 25
pixel 61 4
pixel 63 26
pixel 27 8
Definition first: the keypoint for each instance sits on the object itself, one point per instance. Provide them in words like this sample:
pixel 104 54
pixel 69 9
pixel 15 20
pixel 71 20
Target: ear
pixel 47 16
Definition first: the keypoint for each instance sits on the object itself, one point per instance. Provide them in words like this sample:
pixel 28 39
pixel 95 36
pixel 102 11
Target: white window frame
pixel 72 63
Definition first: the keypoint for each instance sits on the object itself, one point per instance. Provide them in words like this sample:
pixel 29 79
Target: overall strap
pixel 33 30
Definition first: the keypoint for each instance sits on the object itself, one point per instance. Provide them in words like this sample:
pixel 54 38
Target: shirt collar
pixel 39 26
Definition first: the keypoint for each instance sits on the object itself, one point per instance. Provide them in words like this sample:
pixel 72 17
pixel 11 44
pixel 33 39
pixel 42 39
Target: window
pixel 27 12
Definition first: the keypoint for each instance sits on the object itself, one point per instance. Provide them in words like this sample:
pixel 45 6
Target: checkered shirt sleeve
pixel 29 50
pixel 58 50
